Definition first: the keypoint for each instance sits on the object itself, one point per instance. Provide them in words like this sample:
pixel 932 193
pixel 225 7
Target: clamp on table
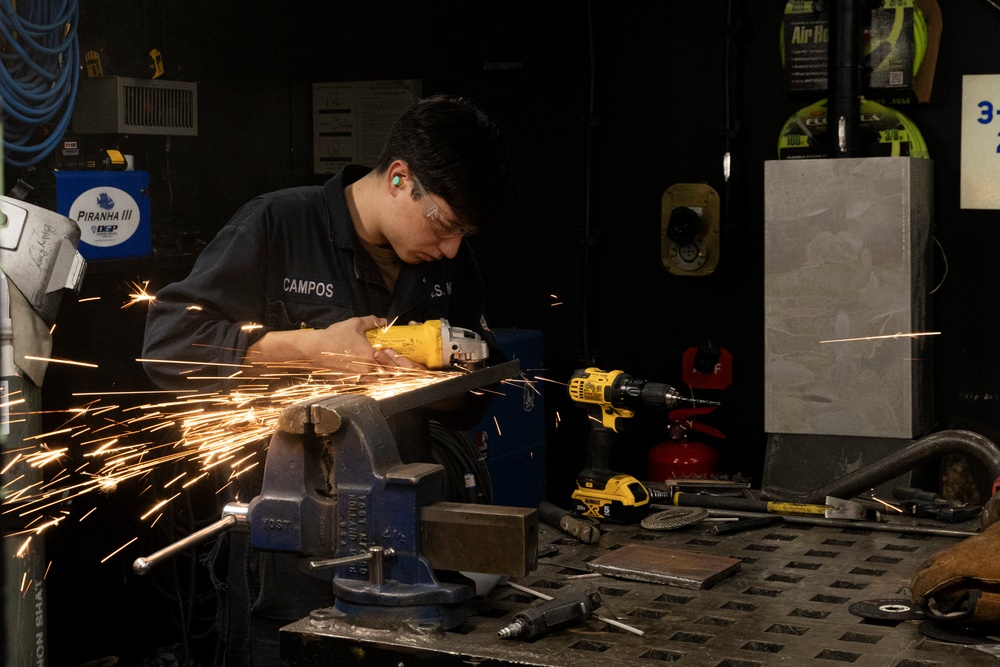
pixel 336 493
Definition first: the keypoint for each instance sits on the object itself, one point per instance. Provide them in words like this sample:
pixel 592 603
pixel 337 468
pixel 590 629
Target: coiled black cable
pixel 460 458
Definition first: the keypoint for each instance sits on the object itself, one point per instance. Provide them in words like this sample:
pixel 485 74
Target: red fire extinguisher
pixel 682 457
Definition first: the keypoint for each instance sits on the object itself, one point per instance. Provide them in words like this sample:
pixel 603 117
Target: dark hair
pixel 458 153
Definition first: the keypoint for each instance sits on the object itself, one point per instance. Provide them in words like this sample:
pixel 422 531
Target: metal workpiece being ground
pixel 788 603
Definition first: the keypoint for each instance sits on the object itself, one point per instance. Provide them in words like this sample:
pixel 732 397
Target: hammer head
pixel 838 508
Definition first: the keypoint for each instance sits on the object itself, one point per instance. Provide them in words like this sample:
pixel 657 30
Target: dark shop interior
pixel 737 402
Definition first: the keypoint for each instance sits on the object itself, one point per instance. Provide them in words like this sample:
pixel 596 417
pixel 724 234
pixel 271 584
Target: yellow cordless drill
pixel 609 397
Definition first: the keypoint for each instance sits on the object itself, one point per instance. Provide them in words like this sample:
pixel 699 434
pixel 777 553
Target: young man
pixel 299 275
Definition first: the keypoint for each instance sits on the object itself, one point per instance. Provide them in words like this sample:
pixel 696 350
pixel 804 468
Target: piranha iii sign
pixel 112 210
pixel 106 216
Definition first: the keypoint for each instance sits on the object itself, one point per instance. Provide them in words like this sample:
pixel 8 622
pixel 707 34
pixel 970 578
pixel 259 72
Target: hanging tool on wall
pixel 92 58
pixel 610 397
pixel 155 64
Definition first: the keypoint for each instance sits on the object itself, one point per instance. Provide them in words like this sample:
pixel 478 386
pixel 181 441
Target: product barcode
pixel 896 78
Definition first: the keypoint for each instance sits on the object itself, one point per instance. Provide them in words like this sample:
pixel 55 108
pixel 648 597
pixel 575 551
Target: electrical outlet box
pixel 689 229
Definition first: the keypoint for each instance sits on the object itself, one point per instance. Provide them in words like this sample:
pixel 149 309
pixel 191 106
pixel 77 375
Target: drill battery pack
pixel 618 499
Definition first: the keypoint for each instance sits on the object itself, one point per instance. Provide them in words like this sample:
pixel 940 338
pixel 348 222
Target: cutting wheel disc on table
pixel 675 517
pixel 957 634
pixel 895 609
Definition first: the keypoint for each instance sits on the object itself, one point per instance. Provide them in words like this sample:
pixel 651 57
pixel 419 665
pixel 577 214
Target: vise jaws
pixel 336 493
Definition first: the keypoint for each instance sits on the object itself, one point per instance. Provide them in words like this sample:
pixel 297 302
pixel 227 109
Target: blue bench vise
pixel 336 493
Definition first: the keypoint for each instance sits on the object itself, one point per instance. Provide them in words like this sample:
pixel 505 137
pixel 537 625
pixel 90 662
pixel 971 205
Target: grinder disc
pixel 674 517
pixel 957 634
pixel 894 609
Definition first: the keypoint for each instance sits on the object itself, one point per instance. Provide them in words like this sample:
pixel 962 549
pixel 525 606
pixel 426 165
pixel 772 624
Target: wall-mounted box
pixel 123 105
pixel 112 210
pixel 846 272
pixel 512 433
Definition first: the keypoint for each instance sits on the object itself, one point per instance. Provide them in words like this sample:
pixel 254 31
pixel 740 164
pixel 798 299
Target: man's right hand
pixel 341 348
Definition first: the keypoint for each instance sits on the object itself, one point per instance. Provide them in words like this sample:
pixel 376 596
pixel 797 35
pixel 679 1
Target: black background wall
pixel 607 104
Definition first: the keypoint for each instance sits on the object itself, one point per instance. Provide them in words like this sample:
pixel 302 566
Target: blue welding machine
pixel 112 210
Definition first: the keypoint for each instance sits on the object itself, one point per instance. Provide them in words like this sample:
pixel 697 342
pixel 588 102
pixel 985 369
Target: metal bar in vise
pixel 477 379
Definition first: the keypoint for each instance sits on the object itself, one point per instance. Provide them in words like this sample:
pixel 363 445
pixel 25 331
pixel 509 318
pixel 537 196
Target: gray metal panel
pixel 847 256
pixel 803 463
pixel 124 105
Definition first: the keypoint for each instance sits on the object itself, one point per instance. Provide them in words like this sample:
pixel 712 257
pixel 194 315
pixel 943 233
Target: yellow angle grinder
pixel 434 343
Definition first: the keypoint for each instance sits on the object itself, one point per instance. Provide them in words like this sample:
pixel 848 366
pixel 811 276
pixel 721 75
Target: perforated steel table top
pixel 787 604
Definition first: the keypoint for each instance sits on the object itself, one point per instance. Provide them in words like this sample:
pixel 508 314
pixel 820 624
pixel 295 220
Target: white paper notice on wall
pixel 351 120
pixel 980 141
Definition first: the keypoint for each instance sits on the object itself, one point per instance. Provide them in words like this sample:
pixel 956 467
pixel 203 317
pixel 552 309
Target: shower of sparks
pixel 53 360
pixel 215 437
pixel 23 549
pixel 140 295
pixel 545 379
pixel 895 335
pixel 194 363
pixel 131 393
pixel 110 555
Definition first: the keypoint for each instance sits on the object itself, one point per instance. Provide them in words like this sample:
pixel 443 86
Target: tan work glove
pixel 961 584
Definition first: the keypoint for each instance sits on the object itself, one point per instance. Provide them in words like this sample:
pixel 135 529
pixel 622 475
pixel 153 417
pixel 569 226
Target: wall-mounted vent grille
pixel 122 105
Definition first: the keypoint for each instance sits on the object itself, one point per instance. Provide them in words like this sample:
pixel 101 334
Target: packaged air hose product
pixel 884 132
pixel 805 39
pixel 894 43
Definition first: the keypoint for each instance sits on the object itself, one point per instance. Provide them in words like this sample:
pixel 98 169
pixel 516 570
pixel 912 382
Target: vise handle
pixel 232 514
pixel 375 554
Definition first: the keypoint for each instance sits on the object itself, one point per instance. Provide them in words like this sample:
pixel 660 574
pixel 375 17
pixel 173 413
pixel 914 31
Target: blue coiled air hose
pixel 38 77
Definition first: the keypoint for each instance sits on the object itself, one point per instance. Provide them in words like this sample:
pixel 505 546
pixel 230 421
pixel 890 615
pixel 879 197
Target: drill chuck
pixel 639 393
